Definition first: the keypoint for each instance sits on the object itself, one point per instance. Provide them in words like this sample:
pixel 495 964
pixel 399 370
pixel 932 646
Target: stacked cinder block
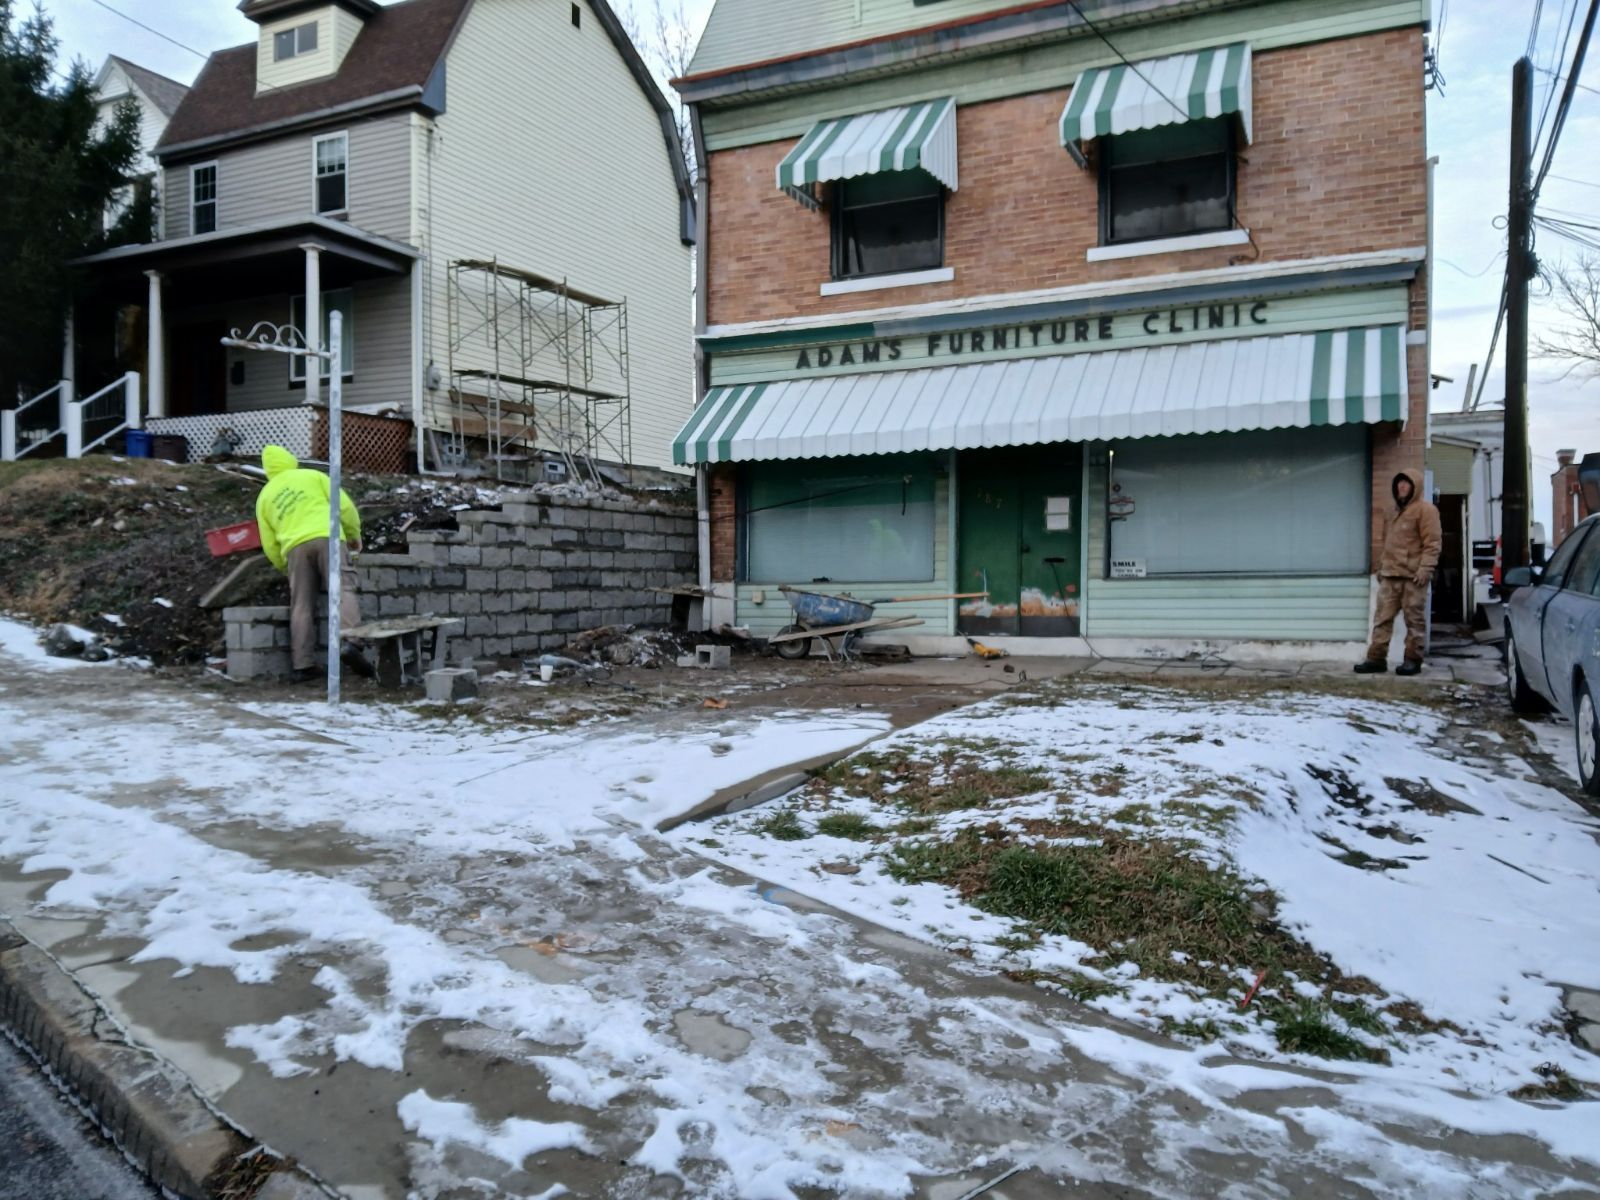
pixel 523 579
pixel 526 578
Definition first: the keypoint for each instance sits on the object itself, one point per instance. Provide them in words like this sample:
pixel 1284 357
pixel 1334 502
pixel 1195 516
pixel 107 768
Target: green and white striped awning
pixel 894 139
pixel 1159 91
pixel 1280 381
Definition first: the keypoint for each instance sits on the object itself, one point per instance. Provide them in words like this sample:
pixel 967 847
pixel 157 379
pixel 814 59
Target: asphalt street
pixel 48 1151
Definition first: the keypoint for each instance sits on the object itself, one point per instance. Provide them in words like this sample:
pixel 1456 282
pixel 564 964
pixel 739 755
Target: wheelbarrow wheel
pixel 799 648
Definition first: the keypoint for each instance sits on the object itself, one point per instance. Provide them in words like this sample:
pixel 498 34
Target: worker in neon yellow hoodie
pixel 292 513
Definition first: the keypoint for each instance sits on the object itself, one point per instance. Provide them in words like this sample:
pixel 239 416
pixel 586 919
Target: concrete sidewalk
pixel 648 1024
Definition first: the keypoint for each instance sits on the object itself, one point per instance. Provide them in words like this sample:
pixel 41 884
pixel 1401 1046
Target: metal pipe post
pixel 335 483
pixel 1519 270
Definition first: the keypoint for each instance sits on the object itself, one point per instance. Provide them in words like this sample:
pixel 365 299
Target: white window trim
pixel 216 199
pixel 875 283
pixel 1192 241
pixel 347 334
pixel 343 135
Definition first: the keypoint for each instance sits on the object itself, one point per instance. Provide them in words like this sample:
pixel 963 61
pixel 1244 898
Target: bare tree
pixel 665 38
pixel 1575 337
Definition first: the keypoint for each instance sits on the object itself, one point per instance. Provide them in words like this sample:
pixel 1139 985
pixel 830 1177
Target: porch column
pixel 155 366
pixel 313 329
pixel 69 377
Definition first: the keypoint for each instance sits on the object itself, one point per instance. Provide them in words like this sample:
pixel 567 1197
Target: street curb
pixel 147 1107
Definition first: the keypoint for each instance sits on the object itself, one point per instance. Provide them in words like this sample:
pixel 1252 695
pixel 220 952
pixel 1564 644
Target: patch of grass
pixel 1082 988
pixel 848 825
pixel 912 826
pixel 1195 1031
pixel 711 843
pixel 951 780
pixel 783 825
pixel 1554 1084
pixel 1308 1028
pixel 1135 814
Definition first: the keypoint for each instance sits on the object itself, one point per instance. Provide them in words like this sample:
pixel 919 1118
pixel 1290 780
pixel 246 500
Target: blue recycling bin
pixel 138 443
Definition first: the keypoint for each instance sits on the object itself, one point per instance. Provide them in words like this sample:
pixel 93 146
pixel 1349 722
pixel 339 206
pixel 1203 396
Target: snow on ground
pixel 20 643
pixel 438 804
pixel 1447 878
pixel 1553 735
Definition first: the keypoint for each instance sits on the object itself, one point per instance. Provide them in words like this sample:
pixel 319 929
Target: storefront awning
pixel 895 139
pixel 1334 377
pixel 1159 91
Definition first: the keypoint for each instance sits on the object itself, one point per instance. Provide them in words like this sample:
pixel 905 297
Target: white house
pixel 157 97
pixel 491 192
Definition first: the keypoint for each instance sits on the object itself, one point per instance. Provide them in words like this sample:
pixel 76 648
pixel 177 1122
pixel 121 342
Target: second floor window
pixel 289 43
pixel 1167 182
pixel 203 198
pixel 330 160
pixel 887 223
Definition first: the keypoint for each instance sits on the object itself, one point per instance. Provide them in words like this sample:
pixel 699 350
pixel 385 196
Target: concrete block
pixel 448 577
pixel 565 537
pixel 539 622
pixel 464 556
pixel 540 581
pixel 498 647
pixel 510 624
pixel 397 605
pixel 511 579
pixel 480 581
pixel 465 603
pixel 713 658
pixel 481 626
pixel 450 684
pixel 552 558
pixel 270 612
pixel 497 602
pixel 258 664
pixel 413 577
pixel 262 635
pixel 495 556
pixel 567 622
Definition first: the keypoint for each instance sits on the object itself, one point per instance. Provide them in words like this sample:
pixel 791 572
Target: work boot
pixel 1409 667
pixel 303 674
pixel 1370 667
pixel 352 656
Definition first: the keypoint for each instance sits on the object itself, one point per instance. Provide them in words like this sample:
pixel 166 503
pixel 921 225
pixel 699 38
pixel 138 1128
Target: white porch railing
pixel 106 413
pixel 11 446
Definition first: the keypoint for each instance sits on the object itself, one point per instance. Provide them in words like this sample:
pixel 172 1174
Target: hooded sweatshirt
pixel 1411 534
pixel 293 508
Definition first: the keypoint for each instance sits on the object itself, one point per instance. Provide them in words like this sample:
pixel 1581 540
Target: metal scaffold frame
pixel 536 366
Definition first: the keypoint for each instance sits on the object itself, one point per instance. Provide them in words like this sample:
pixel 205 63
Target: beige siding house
pixel 356 154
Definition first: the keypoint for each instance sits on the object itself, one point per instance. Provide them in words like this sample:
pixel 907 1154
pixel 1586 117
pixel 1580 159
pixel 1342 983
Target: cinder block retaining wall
pixel 523 579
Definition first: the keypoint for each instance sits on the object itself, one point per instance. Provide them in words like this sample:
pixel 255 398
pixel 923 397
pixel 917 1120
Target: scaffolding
pixel 537 368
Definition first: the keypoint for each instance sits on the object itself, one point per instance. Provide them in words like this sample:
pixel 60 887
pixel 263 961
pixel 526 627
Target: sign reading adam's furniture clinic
pixel 1044 336
pixel 904 344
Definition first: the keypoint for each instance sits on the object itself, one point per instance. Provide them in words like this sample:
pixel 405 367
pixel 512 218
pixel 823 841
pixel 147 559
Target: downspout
pixel 702 246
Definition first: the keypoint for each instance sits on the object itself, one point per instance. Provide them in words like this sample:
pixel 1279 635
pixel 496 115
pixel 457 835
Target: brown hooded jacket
pixel 1411 535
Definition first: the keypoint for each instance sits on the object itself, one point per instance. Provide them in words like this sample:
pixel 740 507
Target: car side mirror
pixel 1519 577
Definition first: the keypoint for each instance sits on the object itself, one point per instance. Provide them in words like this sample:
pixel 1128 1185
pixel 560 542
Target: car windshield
pixel 1555 572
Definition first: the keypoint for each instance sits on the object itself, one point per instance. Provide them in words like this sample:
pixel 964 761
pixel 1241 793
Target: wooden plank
pixel 253 575
pixel 823 631
pixel 393 627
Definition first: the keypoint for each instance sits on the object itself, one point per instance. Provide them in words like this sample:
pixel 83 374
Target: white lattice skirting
pixel 286 427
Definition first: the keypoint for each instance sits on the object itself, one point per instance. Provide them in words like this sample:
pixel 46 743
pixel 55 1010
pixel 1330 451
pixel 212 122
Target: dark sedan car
pixel 1553 641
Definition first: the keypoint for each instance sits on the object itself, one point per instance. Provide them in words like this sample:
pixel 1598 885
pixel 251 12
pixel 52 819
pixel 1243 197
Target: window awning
pixel 1297 380
pixel 895 139
pixel 1159 91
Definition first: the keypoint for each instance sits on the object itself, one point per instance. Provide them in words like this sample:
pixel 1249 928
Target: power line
pixel 1563 79
pixel 152 29
pixel 1565 106
pixel 1095 29
pixel 1579 182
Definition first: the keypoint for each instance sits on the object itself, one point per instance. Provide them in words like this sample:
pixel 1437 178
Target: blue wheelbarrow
pixel 820 617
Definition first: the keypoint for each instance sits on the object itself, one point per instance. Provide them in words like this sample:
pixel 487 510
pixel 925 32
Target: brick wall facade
pixel 1337 167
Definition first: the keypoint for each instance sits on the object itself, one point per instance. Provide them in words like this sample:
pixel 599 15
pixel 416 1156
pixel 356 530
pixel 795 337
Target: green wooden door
pixel 1019 539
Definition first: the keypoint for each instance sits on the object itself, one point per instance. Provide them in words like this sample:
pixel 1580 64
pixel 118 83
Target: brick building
pixel 1574 492
pixel 1114 312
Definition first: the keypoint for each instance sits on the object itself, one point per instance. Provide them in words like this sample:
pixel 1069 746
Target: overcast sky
pixel 1468 128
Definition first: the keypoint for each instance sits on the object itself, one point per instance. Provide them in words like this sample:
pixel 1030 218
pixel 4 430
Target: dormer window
pixel 288 43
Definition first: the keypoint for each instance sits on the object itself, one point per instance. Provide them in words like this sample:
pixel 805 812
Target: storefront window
pixel 1275 502
pixel 887 223
pixel 834 521
pixel 1168 181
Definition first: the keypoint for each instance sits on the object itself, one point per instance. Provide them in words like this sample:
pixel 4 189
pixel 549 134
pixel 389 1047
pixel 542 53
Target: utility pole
pixel 1519 271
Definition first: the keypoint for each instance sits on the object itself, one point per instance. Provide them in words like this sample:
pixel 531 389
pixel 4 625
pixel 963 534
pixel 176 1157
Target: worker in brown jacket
pixel 1411 543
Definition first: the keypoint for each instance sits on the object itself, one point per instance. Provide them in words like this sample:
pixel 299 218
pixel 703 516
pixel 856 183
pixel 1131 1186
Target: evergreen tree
pixel 59 170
